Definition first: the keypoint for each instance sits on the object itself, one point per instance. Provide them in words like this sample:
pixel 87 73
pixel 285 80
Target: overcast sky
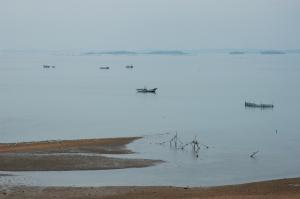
pixel 152 24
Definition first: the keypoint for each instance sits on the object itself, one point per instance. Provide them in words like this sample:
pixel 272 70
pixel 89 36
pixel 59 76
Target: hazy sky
pixel 152 24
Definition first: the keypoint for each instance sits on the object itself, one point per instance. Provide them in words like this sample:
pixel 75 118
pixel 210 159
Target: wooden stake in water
pixel 253 154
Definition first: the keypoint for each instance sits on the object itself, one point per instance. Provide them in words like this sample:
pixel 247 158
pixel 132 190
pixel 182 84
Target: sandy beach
pixel 67 155
pixel 276 189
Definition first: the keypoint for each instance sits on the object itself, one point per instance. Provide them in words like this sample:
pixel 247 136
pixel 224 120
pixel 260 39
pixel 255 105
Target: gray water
pixel 199 95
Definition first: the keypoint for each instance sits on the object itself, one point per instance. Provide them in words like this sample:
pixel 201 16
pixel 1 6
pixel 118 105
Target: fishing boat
pixel 48 66
pixel 254 105
pixel 104 67
pixel 145 90
pixel 129 66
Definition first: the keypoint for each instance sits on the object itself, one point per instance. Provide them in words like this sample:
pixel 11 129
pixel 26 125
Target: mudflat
pixel 275 189
pixel 65 155
pixel 102 146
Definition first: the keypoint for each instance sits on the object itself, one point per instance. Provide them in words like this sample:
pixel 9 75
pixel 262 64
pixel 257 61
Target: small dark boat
pixel 129 66
pixel 104 67
pixel 48 66
pixel 145 90
pixel 254 105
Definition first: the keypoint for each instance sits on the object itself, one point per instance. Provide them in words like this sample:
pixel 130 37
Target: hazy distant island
pixel 188 52
pixel 272 52
pixel 236 53
pixel 125 52
pixel 293 51
pixel 167 52
pixel 119 52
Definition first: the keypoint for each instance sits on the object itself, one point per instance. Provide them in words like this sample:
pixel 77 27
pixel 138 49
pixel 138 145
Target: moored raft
pixel 254 105
pixel 104 67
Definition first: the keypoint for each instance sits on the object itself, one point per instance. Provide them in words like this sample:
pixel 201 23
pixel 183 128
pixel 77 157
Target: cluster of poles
pixel 176 143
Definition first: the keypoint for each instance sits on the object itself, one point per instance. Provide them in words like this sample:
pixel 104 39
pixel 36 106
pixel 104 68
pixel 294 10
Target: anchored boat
pixel 254 105
pixel 48 66
pixel 145 90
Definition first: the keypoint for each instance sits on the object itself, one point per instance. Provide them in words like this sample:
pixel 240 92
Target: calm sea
pixel 199 95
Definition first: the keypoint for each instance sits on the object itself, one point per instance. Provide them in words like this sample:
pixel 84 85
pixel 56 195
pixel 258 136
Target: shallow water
pixel 198 95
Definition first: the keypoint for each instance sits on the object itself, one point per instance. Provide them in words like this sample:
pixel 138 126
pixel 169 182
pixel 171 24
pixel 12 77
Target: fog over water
pixel 155 24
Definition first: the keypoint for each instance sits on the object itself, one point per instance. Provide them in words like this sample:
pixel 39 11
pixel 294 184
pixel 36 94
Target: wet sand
pixel 66 155
pixel 102 146
pixel 276 189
